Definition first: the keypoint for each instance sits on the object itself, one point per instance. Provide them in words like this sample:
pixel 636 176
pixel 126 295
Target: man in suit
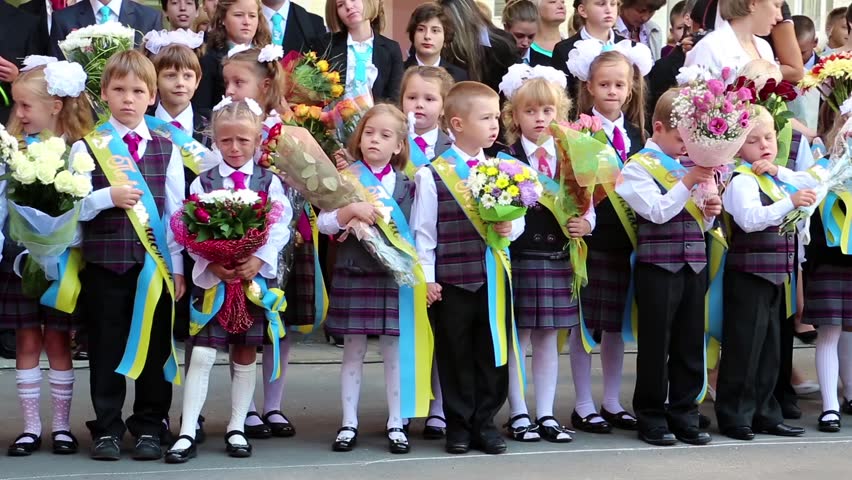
pixel 291 25
pixel 21 34
pixel 89 12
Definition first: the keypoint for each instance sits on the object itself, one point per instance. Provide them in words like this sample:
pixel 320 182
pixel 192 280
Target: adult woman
pixel 551 15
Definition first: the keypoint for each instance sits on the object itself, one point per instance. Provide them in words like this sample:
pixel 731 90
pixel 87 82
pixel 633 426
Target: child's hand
pixel 697 175
pixel 713 206
pixel 125 196
pixel 764 166
pixel 363 211
pixel 579 227
pixel 803 198
pixel 221 272
pixel 341 159
pixel 248 267
pixel 433 293
pixel 180 287
pixel 504 229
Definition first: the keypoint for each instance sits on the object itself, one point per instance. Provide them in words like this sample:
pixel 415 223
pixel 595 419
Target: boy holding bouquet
pixel 450 240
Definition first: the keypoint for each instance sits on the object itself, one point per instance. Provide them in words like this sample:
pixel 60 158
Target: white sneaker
pixel 807 387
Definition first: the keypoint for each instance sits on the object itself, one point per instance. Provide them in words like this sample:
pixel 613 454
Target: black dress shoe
pixel 808 337
pixel 434 433
pixel 553 433
pixel 490 444
pixel 457 447
pixel 24 449
pixel 147 448
pixel 739 433
pixel 622 419
pixel 830 426
pixel 257 431
pixel 106 448
pixel 64 447
pixel 399 445
pixel 526 433
pixel 586 424
pixel 660 436
pixel 345 445
pixel 846 406
pixel 238 450
pixel 703 421
pixel 184 454
pixel 790 411
pixel 200 434
pixel 783 430
pixel 279 429
pixel 693 436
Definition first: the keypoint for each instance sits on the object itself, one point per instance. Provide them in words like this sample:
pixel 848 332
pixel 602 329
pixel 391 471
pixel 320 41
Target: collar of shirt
pixel 622 29
pixel 122 130
pixel 465 157
pixel 531 147
pixel 186 118
pixel 226 170
pixel 811 62
pixel 420 62
pixel 431 137
pixel 114 6
pixel 360 46
pixel 652 145
pixel 609 125
pixel 283 11
pixel 585 35
pixel 526 56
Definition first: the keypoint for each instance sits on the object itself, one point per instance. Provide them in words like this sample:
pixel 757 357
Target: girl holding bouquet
pixel 237 130
pixel 365 297
pixel 541 270
pixel 611 91
pixel 44 103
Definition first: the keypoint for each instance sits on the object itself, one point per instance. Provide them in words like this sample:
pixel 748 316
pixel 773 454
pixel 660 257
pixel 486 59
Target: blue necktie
pixel 278 29
pixel 105 14
pixel 31 139
pixel 361 60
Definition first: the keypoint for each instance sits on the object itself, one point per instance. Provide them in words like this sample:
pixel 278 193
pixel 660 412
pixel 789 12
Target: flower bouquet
pixel 224 226
pixel 319 123
pixel 347 112
pixel 44 204
pixel 309 80
pixel 831 77
pixel 504 190
pixel 297 157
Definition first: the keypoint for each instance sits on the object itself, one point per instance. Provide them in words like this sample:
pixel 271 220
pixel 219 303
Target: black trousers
pixel 751 353
pixel 784 393
pixel 108 310
pixel 670 358
pixel 474 388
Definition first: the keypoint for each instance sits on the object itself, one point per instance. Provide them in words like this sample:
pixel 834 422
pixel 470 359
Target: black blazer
pixel 458 74
pixel 662 77
pixel 560 60
pixel 301 27
pixel 387 57
pixel 443 143
pixel 537 58
pixel 21 34
pixel 212 85
pixel 138 17
pixel 501 55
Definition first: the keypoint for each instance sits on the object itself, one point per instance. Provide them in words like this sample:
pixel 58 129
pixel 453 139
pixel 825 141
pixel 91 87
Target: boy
pixel 520 19
pixel 670 281
pixel 805 107
pixel 758 263
pixel 152 190
pixel 634 23
pixel 679 27
pixel 428 31
pixel 452 251
pixel 180 13
pixel 178 76
pixel 836 30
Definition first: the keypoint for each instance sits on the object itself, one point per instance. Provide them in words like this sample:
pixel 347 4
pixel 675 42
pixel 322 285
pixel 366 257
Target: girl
pixel 237 129
pixel 423 93
pixel 612 90
pixel 356 47
pixel 38 328
pixel 364 297
pixel 520 19
pixel 235 22
pixel 551 16
pixel 428 30
pixel 541 271
pixel 245 76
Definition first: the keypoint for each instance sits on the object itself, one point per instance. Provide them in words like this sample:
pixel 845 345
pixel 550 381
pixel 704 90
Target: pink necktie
pixel 239 179
pixel 132 140
pixel 385 171
pixel 543 167
pixel 618 143
pixel 177 124
pixel 421 142
pixel 472 162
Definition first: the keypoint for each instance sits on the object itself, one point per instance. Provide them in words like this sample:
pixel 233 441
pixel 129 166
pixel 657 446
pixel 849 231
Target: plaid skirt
pixel 363 303
pixel 542 291
pixel 828 296
pixel 214 336
pixel 19 311
pixel 604 297
pixel 301 309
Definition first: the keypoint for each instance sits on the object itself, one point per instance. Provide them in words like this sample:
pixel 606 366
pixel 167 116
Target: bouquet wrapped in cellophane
pixel 347 112
pixel 302 164
pixel 308 80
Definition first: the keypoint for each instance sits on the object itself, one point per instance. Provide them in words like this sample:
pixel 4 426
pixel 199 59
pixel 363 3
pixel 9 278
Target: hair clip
pixel 223 103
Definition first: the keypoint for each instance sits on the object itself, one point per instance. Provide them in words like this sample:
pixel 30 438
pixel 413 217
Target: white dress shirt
pixel 721 48
pixel 279 232
pixel 609 128
pixel 114 7
pixel 283 11
pixel 100 200
pixel 186 118
pixel 742 200
pixel 327 222
pixel 431 138
pixel 641 192
pixel 360 47
pixel 420 62
pixel 585 35
pixel 424 216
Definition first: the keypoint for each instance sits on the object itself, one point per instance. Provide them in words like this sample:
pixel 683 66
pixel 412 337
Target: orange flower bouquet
pixel 309 80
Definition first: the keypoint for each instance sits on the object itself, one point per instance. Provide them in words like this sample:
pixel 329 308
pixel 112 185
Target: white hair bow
pixel 250 103
pixel 34 61
pixel 270 53
pixel 520 73
pixel 585 51
pixel 65 79
pixel 157 40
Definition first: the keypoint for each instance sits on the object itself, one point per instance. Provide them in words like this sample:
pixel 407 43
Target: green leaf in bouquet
pixel 309 171
pixel 33 283
pixel 330 184
pixel 203 235
pixel 312 183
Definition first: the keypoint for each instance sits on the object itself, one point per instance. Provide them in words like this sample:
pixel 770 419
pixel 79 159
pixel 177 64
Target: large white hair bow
pixel 521 72
pixel 65 79
pixel 157 40
pixel 34 61
pixel 585 51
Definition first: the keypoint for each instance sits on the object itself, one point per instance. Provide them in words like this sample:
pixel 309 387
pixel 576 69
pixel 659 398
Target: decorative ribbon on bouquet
pixel 62 293
pixel 320 293
pixel 191 150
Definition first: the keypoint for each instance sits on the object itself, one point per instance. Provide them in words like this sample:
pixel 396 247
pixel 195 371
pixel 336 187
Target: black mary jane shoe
pixel 24 449
pixel 279 429
pixel 240 450
pixel 621 420
pixel 830 426
pixel 345 445
pixel 257 432
pixel 586 424
pixel 553 433
pixel 434 433
pixel 398 446
pixel 846 406
pixel 526 433
pixel 200 434
pixel 64 447
pixel 182 455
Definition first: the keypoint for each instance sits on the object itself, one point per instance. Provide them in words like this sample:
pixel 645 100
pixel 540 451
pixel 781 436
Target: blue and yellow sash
pixel 62 293
pixel 191 150
pixel 320 292
pixel 415 332
pixel 114 159
pixel 416 159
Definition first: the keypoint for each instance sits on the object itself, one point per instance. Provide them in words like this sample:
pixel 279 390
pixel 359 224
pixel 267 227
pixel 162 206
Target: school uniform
pixel 211 88
pixel 114 257
pixel 559 60
pixel 433 143
pixel 670 280
pixel 21 35
pixel 140 18
pixel 458 74
pixel 291 26
pixel 383 68
pixel 663 76
pixel 499 54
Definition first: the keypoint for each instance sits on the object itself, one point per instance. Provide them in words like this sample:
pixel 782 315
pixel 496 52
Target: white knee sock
pixel 844 355
pixel 61 392
pixel 581 373
pixel 390 357
pixel 612 361
pixel 351 372
pixel 29 396
pixel 195 391
pixel 436 406
pixel 545 369
pixel 827 369
pixel 517 402
pixel 242 390
pixel 273 392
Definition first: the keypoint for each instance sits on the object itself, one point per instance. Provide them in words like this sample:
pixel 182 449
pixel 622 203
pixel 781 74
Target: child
pixel 520 19
pixel 451 251
pixel 236 22
pixel 758 262
pixel 356 47
pixel 178 76
pixel 679 26
pixel 68 115
pixel 541 271
pixel 670 282
pixel 634 23
pixel 805 107
pixel 180 13
pixel 613 93
pixel 114 255
pixel 237 131
pixel 423 92
pixel 201 22
pixel 836 30
pixel 428 27
pixel 364 297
